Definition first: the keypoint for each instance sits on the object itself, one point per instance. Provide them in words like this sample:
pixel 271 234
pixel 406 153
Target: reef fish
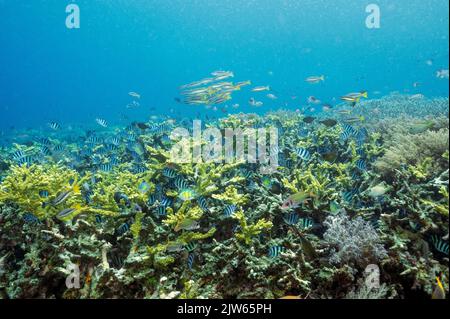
pixel 440 245
pixel 68 212
pixel 303 153
pixel 101 122
pixel 202 203
pixel 315 79
pixel 442 74
pixel 31 219
pixel 190 260
pixel 187 224
pixel 229 210
pixel 54 126
pixel 295 200
pixel 354 98
pixel 191 246
pixel 123 229
pixel 144 187
pixel 378 190
pixel 134 94
pixel 439 291
pixel 309 119
pixel 306 223
pixel 291 218
pixel 275 251
pixel 261 88
pixel 186 194
pixel 61 198
pixel 329 122
pixel 174 247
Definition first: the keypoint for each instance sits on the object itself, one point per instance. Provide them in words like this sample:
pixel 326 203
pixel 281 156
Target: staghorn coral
pixel 23 184
pixel 247 232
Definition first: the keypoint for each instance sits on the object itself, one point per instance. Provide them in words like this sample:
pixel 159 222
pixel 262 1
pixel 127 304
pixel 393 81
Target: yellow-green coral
pixel 247 232
pixel 118 181
pixel 423 169
pixel 231 196
pixel 186 211
pixel 441 208
pixel 137 225
pixel 23 184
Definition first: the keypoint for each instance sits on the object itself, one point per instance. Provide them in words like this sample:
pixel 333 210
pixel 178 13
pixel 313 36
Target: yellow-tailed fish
pixel 315 79
pixel 439 291
pixel 261 88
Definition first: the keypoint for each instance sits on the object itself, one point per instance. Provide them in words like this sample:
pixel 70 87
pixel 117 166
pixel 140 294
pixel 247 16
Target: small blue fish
pixel 355 175
pixel 361 164
pixel 152 199
pixel 45 151
pixel 275 251
pixel 58 148
pixel 115 141
pixel 203 204
pixel 54 126
pixel 191 246
pixel 190 261
pixel 31 219
pixel 94 140
pixel 114 161
pixel 440 245
pixel 166 202
pixel 168 172
pixel 18 155
pixel 348 132
pixel 140 169
pixel 43 193
pixel 45 141
pixel 180 183
pixel 291 218
pixel 230 210
pixel 99 219
pixel 101 122
pixel 161 211
pixel 361 152
pixel 348 196
pixel 303 153
pixel 123 228
pixel 111 147
pixel 106 167
pixel 27 160
pixel 306 223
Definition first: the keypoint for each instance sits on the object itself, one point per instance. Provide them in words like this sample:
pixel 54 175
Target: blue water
pixel 51 73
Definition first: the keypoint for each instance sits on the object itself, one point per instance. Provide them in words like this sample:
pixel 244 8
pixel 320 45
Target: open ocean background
pixel 50 73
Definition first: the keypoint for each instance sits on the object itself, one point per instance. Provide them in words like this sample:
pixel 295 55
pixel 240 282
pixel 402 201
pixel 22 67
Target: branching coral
pixel 247 232
pixel 24 184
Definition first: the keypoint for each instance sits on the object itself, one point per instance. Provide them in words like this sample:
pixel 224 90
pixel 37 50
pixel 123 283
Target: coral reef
pixel 138 225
